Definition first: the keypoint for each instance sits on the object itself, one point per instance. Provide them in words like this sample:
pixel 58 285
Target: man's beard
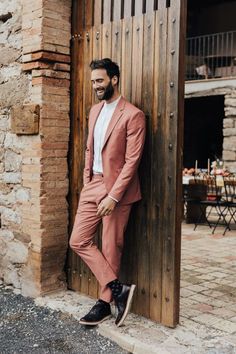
pixel 108 92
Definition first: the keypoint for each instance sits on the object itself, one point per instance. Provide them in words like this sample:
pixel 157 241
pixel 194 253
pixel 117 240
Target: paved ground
pixel 28 328
pixel 208 302
pixel 208 293
pixel 208 311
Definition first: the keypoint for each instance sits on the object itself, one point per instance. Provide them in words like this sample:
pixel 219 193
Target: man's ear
pixel 115 80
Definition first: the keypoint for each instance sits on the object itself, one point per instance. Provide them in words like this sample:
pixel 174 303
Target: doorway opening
pixel 203 130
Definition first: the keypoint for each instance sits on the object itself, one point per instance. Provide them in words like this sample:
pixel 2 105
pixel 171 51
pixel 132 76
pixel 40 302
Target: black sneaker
pixel 98 313
pixel 123 303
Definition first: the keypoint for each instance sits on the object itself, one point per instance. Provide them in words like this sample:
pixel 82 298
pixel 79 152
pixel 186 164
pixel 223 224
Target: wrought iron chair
pixel 213 201
pixel 230 197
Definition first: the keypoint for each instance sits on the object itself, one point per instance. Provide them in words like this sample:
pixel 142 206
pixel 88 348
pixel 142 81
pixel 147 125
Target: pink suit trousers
pixel 104 264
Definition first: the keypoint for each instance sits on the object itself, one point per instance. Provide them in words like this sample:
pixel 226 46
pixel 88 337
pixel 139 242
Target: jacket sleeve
pixel 136 131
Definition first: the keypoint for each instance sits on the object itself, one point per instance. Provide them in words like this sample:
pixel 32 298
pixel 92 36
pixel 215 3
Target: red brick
pixel 51 146
pixel 50 81
pixel 51 73
pixel 63 49
pixel 36 65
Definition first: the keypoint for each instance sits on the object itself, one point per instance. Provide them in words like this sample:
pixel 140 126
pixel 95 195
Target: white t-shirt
pixel 100 129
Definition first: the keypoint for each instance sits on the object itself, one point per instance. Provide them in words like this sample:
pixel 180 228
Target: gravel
pixel 28 328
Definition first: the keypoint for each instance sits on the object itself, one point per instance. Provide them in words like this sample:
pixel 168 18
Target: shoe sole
pixel 94 323
pixel 128 305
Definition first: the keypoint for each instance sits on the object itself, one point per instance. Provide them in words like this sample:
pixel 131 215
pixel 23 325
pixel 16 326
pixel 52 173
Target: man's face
pixel 102 84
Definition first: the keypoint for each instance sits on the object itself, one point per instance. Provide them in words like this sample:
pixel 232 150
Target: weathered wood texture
pixel 146 38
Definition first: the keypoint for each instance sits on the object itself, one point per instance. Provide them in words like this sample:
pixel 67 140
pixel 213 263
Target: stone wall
pixel 14 89
pixel 229 145
pixel 35 69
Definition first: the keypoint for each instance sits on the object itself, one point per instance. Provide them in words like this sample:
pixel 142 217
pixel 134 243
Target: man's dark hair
pixel 110 66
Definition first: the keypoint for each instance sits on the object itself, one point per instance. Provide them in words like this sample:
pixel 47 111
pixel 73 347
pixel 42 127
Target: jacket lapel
pixel 114 119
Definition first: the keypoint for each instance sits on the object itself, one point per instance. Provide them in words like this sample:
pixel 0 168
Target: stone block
pixel 12 161
pixel 2 137
pixel 230 111
pixel 22 237
pixel 17 252
pixel 11 277
pixel 229 131
pixel 12 177
pixel 7 199
pixel 229 155
pixel 14 91
pixel 16 143
pixel 230 102
pixel 228 123
pixel 9 55
pixel 23 195
pixel 230 143
pixel 4 123
pixel 3 247
pixel 9 215
pixel 25 119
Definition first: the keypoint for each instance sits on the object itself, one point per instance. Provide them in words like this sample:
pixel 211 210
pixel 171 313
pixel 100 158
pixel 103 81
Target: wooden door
pixel 146 39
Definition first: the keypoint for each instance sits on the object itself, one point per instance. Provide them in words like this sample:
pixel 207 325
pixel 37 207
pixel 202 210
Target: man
pixel 114 148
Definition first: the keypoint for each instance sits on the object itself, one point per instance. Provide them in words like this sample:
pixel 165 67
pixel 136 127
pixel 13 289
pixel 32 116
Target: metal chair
pixel 213 201
pixel 230 197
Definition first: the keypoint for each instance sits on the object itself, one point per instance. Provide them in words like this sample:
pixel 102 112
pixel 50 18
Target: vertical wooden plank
pixel 126 61
pixel 138 7
pixel 83 275
pixel 155 243
pixel 75 139
pixel 150 6
pixel 97 48
pixel 97 32
pixel 173 166
pixel 128 8
pixel 129 269
pixel 106 40
pixel 137 60
pixel 88 8
pixel 158 184
pixel 136 98
pixel 116 10
pixel 90 280
pixel 97 12
pixel 116 41
pixel 145 208
pixel 107 11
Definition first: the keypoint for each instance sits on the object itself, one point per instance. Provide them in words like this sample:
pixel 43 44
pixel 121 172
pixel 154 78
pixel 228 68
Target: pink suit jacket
pixel 121 151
